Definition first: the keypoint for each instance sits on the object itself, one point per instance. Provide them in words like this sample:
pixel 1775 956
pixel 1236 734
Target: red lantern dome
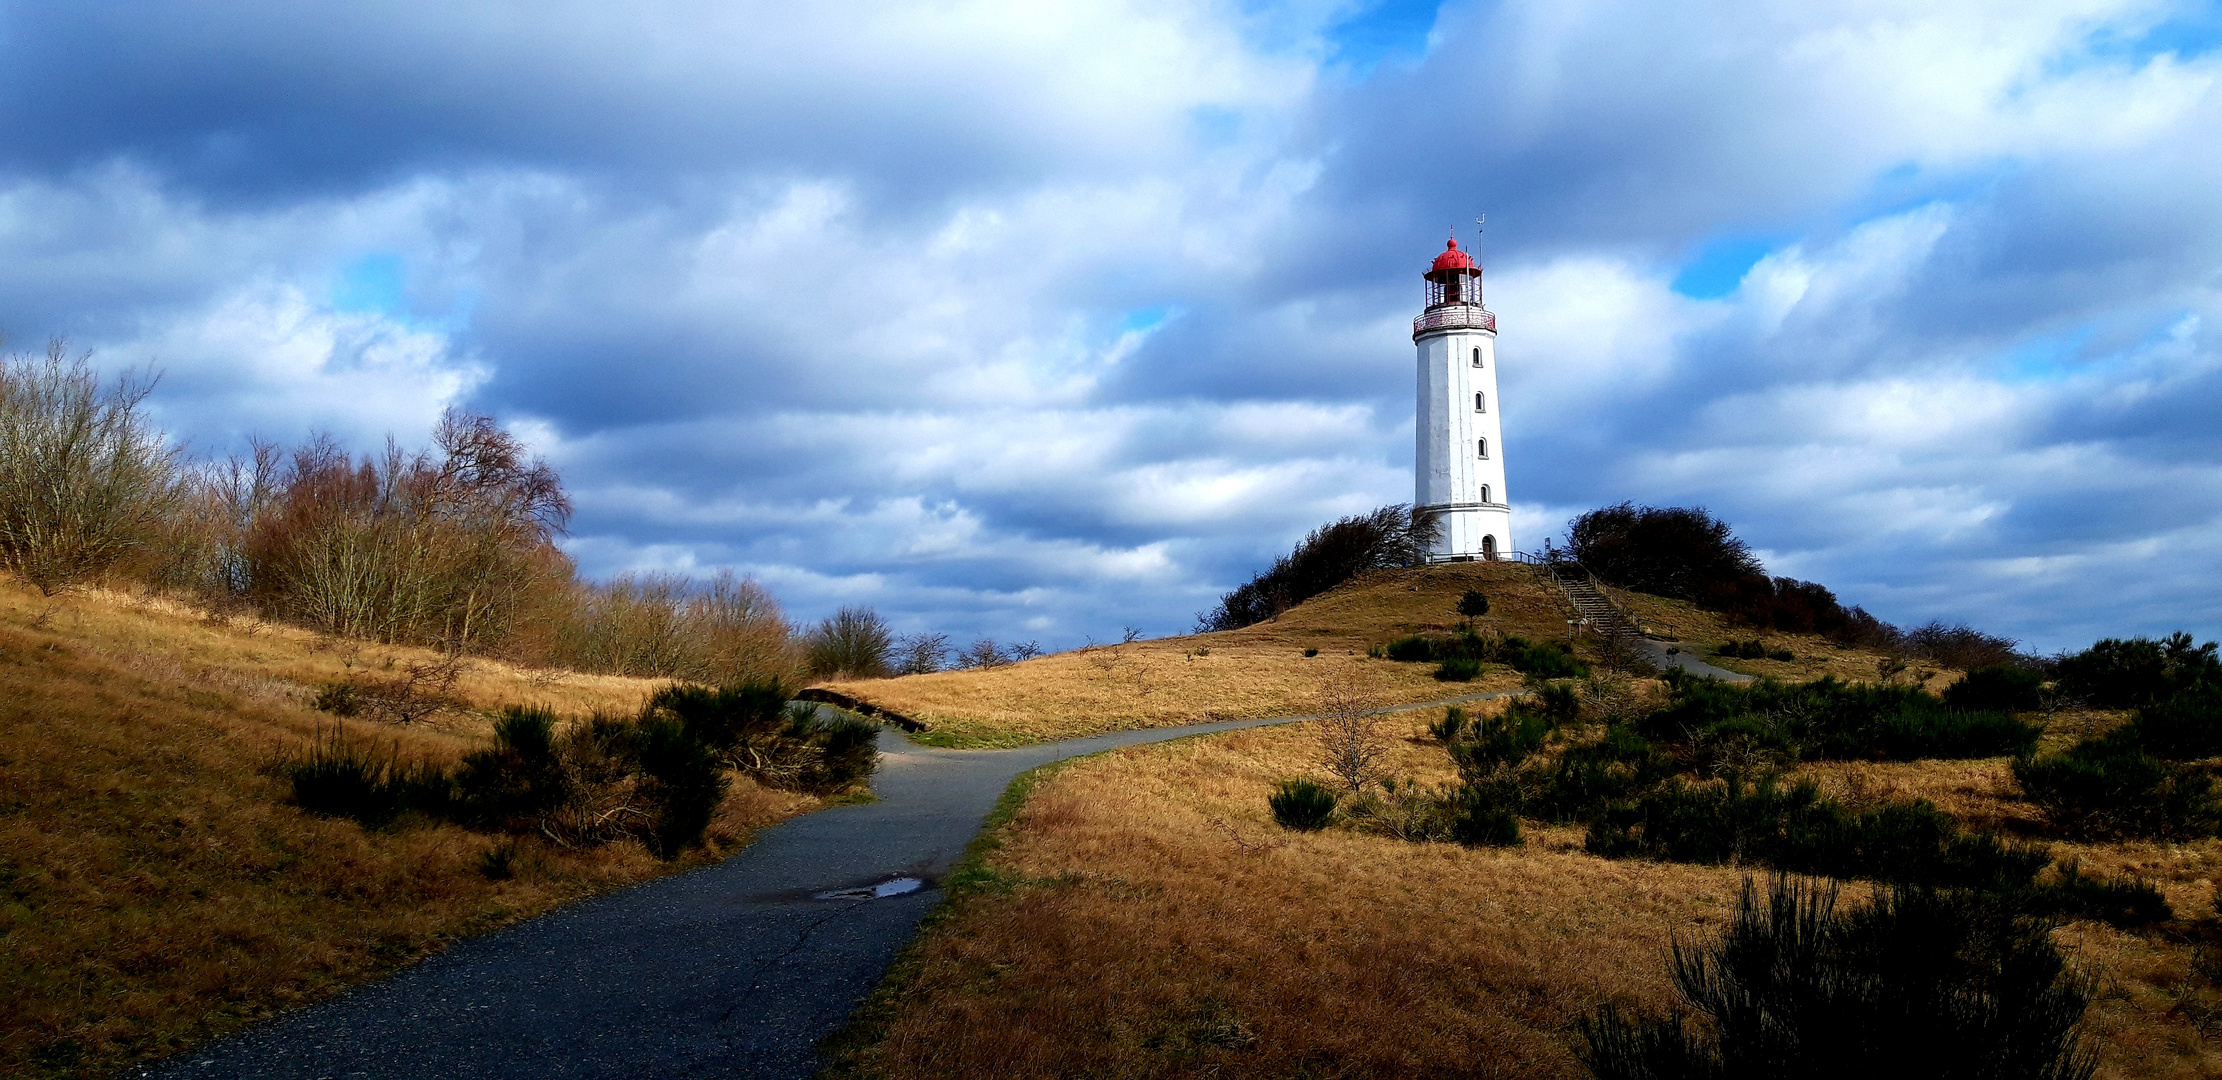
pixel 1453 259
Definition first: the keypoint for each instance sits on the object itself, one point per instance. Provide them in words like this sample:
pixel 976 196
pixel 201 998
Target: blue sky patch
pixel 1380 31
pixel 1720 265
pixel 372 283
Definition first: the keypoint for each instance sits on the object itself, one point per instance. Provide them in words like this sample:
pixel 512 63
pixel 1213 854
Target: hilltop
pixel 1262 670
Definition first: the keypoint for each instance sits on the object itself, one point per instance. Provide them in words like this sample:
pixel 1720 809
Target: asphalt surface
pixel 1681 658
pixel 733 970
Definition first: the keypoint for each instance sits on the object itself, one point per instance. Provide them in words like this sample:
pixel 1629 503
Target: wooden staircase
pixel 1593 610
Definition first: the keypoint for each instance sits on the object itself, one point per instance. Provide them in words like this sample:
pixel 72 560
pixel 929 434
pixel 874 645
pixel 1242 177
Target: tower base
pixel 1471 532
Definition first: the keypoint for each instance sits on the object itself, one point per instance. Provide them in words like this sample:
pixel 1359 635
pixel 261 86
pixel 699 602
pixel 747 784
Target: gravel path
pixel 733 970
pixel 1681 658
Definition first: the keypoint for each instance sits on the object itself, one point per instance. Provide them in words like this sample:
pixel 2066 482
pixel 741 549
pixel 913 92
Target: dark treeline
pixel 1687 554
pixel 1332 554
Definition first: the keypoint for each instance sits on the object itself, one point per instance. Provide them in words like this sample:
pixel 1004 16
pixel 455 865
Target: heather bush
pixel 1997 688
pixel 2129 673
pixel 2111 786
pixel 342 779
pixel 1834 720
pixel 2186 726
pixel 1303 805
pixel 1921 982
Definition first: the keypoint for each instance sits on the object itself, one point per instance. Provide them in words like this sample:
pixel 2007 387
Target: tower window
pixel 1484 448
pixel 1485 493
pixel 1477 356
pixel 1481 404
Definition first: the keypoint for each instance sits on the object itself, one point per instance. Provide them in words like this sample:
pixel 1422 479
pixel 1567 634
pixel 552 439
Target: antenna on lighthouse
pixel 1479 223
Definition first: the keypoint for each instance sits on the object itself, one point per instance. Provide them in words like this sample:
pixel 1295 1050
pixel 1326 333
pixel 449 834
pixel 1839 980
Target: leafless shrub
pixel 419 690
pixel 1351 745
pixel 853 642
pixel 84 479
pixel 920 653
pixel 984 653
pixel 728 631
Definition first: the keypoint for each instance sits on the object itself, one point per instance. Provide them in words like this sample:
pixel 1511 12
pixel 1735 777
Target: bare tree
pixel 1350 742
pixel 920 653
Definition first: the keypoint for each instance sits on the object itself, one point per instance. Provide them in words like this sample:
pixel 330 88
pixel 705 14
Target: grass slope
pixel 156 885
pixel 1261 670
pixel 1216 944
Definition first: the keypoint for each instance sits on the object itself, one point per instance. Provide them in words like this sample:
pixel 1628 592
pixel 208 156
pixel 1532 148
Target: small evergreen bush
pixel 1484 822
pixel 2119 673
pixel 1921 982
pixel 2112 786
pixel 1473 604
pixel 2120 901
pixel 1997 688
pixel 342 779
pixel 2187 725
pixel 1449 727
pixel 1412 649
pixel 1303 805
pixel 1458 669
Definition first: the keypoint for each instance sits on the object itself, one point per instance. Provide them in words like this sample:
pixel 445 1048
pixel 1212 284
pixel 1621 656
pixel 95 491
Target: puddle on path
pixel 890 887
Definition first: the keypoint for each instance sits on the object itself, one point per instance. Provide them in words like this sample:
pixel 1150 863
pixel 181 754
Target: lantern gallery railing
pixel 1455 317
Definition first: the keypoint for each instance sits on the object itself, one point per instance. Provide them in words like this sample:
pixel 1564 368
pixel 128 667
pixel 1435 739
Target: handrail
pixel 1454 317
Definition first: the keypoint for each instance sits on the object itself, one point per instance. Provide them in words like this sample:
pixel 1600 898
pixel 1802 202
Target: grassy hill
pixel 1263 670
pixel 156 884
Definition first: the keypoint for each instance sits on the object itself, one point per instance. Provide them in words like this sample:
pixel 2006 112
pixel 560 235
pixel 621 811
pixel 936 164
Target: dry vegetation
pixel 156 884
pixel 1218 945
pixel 1261 670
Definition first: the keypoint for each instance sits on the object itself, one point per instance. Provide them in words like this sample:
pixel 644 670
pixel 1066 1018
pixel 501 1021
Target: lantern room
pixel 1454 279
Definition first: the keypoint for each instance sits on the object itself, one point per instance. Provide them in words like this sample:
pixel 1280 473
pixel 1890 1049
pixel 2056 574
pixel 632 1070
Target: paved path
pixel 1683 659
pixel 733 970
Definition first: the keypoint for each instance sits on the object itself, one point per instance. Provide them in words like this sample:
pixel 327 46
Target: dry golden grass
pixel 1261 670
pixel 1215 944
pixel 156 886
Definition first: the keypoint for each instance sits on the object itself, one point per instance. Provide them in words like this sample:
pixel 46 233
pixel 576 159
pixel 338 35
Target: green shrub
pixel 1473 604
pixel 1547 661
pixel 2121 901
pixel 2128 673
pixel 2112 786
pixel 1997 688
pixel 1458 669
pixel 1796 829
pixel 2186 725
pixel 1830 719
pixel 520 778
pixel 341 779
pixel 1303 805
pixel 683 784
pixel 499 863
pixel 1448 728
pixel 1413 649
pixel 1501 741
pixel 1921 982
pixel 341 699
pixel 1483 821
pixel 1309 653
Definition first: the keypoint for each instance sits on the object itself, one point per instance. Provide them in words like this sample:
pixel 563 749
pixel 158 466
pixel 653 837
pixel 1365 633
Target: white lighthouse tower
pixel 1459 467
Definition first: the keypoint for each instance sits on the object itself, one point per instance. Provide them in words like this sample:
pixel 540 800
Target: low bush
pixel 1498 742
pixel 2111 786
pixel 1458 669
pixel 1752 650
pixel 2128 673
pixel 2187 725
pixel 1449 727
pixel 1546 660
pixel 1920 982
pixel 1834 720
pixel 1332 554
pixel 1796 829
pixel 343 779
pixel 1483 821
pixel 1473 604
pixel 1303 805
pixel 1413 649
pixel 2120 901
pixel 1997 688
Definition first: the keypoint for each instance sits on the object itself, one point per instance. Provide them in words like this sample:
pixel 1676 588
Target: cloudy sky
pixel 1038 320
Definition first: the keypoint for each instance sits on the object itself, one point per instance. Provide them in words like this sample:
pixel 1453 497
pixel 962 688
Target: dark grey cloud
pixel 1037 323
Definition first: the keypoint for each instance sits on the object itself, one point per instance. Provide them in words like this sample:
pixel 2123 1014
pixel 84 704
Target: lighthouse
pixel 1458 471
